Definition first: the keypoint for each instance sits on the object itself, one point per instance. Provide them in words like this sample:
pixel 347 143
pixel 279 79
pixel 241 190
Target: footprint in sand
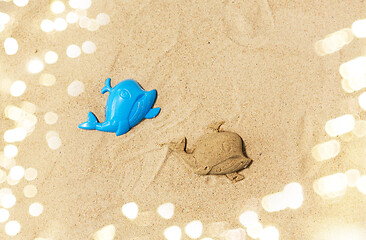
pixel 248 23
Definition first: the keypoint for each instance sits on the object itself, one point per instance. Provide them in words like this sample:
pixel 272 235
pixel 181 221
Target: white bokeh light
pixel 352 177
pixel 50 118
pixel 47 79
pixel 106 233
pixel 12 228
pixel 8 200
pixel 30 191
pixel 361 184
pixel 92 25
pixel 130 210
pixel 88 47
pixel 293 195
pixel 54 142
pixel 30 174
pixel 269 233
pixel 340 125
pixel 11 46
pixel 359 28
pixel 4 215
pixel 4 18
pixel 235 234
pixel 72 17
pixel 166 210
pixel 35 66
pixel 80 4
pixel 75 88
pixel 326 151
pixel 360 128
pixel 84 22
pixel 362 101
pixel 73 51
pixel 51 57
pixel 35 209
pixel 254 231
pixel 173 233
pixel 103 19
pixel 10 151
pixel 16 173
pixel 57 7
pixel 17 88
pixel 194 229
pixel 60 24
pixel 331 186
pixel 3 174
pixel 20 3
pixel 248 218
pixel 47 25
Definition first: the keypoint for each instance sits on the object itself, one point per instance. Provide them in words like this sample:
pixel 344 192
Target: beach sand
pixel 251 64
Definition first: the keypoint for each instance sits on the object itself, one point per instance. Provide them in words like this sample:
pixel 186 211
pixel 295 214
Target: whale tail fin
pixel 153 113
pixel 107 87
pixel 178 147
pixel 91 123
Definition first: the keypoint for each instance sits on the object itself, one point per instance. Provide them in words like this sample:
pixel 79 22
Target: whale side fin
pixel 91 123
pixel 123 127
pixel 153 113
pixel 107 87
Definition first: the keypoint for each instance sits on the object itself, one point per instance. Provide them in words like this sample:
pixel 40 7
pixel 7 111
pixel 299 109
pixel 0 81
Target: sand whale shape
pixel 217 153
pixel 126 106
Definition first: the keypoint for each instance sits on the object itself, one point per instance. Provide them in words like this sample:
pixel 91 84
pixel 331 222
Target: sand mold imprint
pixel 217 153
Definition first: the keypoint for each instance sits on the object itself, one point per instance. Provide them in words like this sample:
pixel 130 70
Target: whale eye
pixel 124 94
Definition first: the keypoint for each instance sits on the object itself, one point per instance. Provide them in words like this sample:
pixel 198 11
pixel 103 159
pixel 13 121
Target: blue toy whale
pixel 126 106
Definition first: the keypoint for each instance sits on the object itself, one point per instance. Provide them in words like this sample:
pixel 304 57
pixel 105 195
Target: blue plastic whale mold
pixel 128 103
